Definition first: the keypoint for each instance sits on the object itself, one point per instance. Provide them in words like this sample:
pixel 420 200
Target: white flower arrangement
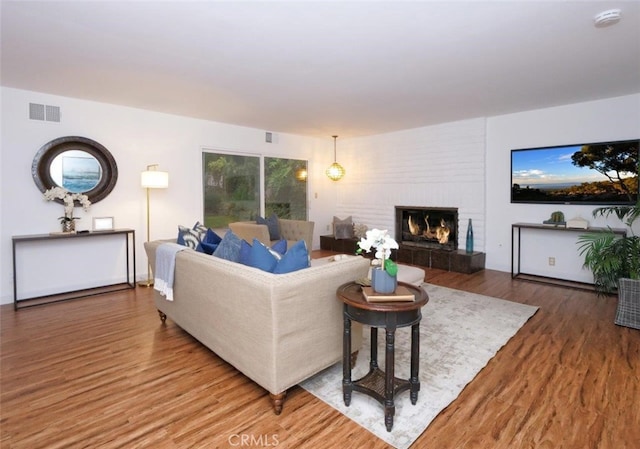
pixel 383 243
pixel 68 199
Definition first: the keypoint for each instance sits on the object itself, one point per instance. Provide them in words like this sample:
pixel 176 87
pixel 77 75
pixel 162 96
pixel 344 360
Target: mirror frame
pixel 40 168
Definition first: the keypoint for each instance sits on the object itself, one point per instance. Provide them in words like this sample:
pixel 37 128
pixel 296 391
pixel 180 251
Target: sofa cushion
pixel 229 247
pixel 296 258
pixel 273 225
pixel 343 229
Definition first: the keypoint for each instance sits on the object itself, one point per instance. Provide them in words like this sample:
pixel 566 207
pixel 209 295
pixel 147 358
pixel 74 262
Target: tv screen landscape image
pixel 603 173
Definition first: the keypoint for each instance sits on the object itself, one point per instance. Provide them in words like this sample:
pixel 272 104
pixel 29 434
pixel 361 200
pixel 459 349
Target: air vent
pixel 52 113
pixel 36 111
pixel 43 112
pixel 268 137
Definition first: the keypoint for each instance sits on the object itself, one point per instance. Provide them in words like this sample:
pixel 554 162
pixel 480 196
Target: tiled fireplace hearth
pixel 427 236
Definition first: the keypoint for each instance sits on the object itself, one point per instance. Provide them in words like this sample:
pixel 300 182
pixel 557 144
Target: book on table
pixel 402 293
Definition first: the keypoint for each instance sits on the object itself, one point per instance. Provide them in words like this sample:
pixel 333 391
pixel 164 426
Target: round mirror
pixel 77 164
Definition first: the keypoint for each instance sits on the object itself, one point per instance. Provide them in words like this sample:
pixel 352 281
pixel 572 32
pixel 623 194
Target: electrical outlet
pixel 552 261
pixel 328 228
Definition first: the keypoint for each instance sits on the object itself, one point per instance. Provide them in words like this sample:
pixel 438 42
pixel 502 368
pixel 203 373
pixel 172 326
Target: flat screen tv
pixel 591 173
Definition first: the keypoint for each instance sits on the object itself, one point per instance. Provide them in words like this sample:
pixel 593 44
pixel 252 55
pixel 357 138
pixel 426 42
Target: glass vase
pixel 469 246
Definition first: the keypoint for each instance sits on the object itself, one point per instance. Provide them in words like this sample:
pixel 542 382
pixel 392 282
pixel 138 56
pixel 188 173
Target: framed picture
pixel 80 174
pixel 103 223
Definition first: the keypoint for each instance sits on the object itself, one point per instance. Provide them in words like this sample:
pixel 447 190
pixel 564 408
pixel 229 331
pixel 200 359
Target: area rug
pixel 459 333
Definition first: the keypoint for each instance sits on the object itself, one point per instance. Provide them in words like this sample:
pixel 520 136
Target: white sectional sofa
pixel 277 329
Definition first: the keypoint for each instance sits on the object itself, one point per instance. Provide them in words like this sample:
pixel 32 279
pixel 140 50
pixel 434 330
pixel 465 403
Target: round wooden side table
pixel 382 386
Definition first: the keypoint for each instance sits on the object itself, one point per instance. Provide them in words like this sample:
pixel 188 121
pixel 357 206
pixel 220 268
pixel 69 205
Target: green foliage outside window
pixel 231 186
pixel 285 194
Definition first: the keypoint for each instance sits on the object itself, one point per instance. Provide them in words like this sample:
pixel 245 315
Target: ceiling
pixel 326 67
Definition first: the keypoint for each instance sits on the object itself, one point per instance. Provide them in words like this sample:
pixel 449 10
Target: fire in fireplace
pixel 433 227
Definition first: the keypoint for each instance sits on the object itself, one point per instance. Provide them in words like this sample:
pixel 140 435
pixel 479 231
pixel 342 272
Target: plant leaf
pixel 391 267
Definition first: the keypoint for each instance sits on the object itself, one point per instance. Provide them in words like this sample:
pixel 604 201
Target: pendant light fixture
pixel 335 172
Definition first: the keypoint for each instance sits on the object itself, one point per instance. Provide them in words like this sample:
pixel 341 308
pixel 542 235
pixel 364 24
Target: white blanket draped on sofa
pixel 165 268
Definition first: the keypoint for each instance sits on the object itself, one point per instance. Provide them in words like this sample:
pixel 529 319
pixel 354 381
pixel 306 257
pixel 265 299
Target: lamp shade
pixel 154 179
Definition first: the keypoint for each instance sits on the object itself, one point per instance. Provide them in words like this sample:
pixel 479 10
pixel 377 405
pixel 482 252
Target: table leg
pixel 347 385
pixel 373 359
pixel 389 406
pixel 414 380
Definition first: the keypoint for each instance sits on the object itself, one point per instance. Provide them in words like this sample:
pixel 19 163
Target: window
pixel 232 188
pixel 285 188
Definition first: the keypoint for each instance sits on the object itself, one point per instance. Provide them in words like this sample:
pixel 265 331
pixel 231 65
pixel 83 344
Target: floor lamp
pixel 152 178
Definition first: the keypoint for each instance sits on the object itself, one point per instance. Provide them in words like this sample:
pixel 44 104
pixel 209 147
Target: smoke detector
pixel 606 18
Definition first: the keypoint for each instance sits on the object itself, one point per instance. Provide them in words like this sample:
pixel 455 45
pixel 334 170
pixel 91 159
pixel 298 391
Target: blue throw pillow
pixel 245 252
pixel 262 257
pixel 229 247
pixel 187 237
pixel 207 248
pixel 295 259
pixel 273 225
pixel 207 239
pixel 280 247
pixel 212 237
pixel 201 230
pixel 259 256
pixel 209 243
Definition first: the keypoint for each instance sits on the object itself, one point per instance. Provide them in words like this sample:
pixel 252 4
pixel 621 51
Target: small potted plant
pixel 615 262
pixel 68 220
pixel 383 276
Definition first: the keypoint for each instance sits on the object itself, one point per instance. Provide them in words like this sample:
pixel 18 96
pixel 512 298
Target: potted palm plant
pixel 615 262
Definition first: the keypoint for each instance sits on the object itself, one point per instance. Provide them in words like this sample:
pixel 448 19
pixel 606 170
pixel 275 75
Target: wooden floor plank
pixel 105 372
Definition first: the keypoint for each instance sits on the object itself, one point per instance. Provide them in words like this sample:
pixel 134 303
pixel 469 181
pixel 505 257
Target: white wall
pixel 610 119
pixel 434 166
pixel 466 164
pixel 462 164
pixel 135 138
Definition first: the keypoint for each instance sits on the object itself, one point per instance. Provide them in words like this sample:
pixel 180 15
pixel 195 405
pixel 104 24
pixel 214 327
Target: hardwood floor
pixel 104 372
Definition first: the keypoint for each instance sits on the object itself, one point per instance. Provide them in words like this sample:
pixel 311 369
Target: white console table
pixel 130 268
pixel 516 238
